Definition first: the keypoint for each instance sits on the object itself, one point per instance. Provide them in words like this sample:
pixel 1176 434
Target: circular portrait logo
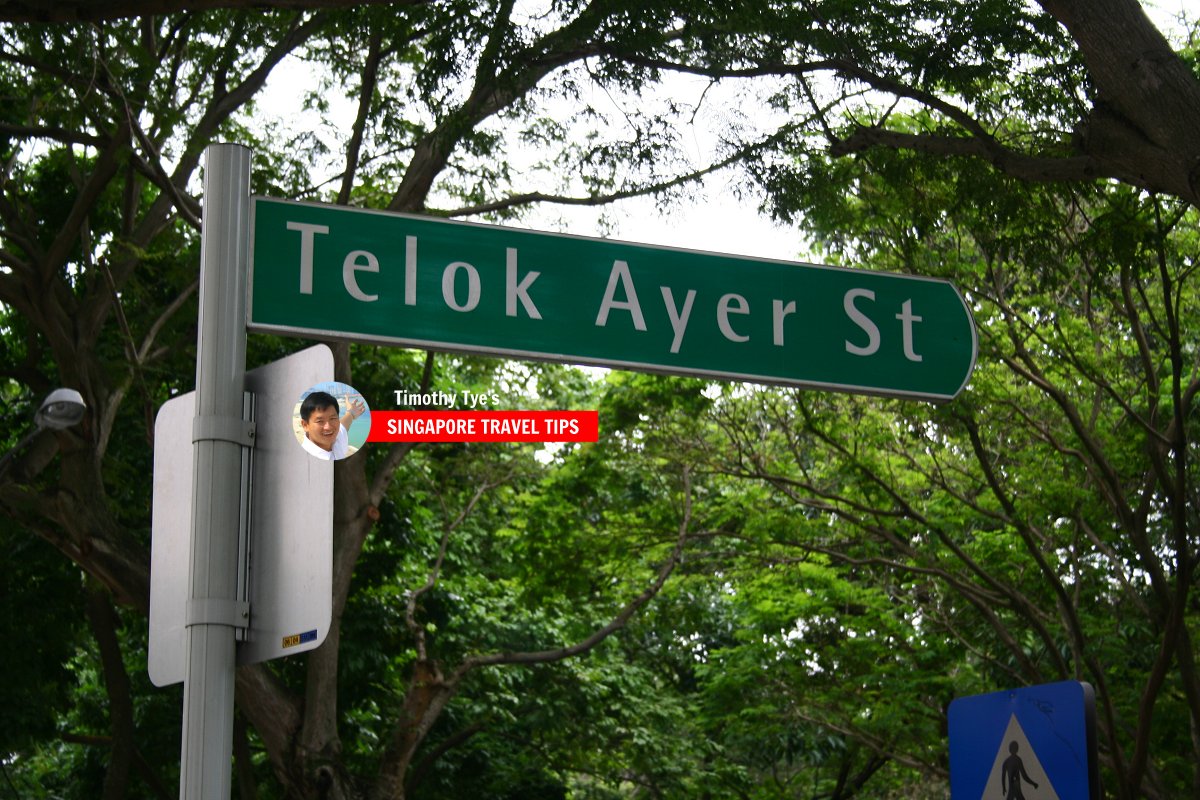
pixel 331 420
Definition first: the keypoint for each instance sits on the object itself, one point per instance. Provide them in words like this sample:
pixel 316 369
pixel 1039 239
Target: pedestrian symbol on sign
pixel 1017 774
pixel 1011 774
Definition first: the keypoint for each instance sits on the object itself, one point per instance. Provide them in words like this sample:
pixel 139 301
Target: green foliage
pixel 1022 523
pixel 34 686
pixel 849 565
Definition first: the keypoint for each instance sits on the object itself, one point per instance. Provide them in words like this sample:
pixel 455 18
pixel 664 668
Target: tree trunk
pixel 116 685
pixel 1137 75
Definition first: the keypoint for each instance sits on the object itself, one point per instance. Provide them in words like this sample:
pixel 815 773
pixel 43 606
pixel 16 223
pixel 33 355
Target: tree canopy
pixel 738 591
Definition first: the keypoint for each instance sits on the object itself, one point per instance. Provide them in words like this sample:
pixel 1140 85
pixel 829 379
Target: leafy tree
pixel 1040 525
pixel 1052 498
pixel 104 129
pixel 102 126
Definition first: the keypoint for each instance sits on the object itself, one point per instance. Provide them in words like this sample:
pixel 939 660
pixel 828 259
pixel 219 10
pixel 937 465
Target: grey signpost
pixel 213 611
pixel 241 571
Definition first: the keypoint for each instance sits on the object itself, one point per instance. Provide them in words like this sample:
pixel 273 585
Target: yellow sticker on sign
pixel 299 638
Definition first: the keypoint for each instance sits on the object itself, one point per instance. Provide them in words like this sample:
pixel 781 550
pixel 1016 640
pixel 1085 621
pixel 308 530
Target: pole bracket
pixel 223 429
pixel 215 611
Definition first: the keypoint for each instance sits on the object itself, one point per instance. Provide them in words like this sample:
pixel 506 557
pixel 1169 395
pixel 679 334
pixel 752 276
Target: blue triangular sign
pixel 1034 743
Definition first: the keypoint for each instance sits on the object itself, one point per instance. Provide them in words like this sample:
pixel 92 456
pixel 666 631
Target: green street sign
pixel 334 272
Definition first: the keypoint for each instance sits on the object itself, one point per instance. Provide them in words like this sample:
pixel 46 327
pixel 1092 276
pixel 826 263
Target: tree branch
pixel 1010 162
pixel 615 624
pixel 57 134
pixel 100 10
pixel 603 199
pixel 370 79
pixel 410 612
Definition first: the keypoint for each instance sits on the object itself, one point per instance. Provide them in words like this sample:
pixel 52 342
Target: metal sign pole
pixel 218 433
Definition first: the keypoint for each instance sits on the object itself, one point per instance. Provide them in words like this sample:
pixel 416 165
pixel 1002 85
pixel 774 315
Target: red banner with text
pixel 484 426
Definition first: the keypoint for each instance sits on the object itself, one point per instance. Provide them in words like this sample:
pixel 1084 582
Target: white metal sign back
pixel 291 539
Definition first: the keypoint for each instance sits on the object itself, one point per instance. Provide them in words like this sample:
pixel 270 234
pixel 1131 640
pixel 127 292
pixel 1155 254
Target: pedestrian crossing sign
pixel 1035 743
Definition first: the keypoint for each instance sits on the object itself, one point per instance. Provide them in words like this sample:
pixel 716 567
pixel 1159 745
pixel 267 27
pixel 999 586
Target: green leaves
pixel 849 565
pixel 1021 520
